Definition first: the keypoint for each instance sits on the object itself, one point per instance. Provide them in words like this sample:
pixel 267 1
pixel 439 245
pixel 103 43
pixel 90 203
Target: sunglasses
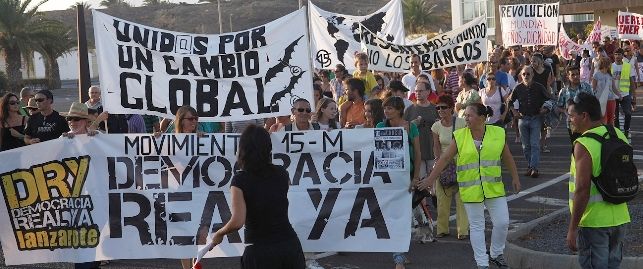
pixel 302 110
pixel 491 78
pixel 74 118
pixel 13 103
pixel 191 118
pixel 441 107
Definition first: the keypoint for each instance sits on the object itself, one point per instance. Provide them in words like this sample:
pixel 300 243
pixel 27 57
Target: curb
pixel 519 257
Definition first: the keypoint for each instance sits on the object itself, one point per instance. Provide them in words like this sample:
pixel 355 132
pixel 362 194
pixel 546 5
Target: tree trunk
pixel 14 76
pixel 52 73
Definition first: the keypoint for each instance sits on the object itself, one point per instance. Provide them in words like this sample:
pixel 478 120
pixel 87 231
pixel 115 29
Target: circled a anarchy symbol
pixel 323 57
pixel 295 70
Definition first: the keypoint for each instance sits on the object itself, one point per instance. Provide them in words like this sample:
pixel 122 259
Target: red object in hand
pixel 198 266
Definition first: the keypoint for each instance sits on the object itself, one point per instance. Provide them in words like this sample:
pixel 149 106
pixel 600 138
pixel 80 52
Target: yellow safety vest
pixel 598 212
pixel 479 173
pixel 624 83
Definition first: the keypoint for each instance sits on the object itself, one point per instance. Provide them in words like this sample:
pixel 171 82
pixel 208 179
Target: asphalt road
pixel 540 196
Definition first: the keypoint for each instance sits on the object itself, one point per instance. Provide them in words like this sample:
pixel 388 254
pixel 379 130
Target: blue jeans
pixel 600 247
pixel 626 104
pixel 530 127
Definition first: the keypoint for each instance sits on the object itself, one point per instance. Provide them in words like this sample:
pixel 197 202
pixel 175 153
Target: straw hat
pixel 32 103
pixel 77 110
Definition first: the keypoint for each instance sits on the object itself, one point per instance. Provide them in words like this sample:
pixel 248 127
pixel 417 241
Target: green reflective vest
pixel 598 213
pixel 479 173
pixel 624 82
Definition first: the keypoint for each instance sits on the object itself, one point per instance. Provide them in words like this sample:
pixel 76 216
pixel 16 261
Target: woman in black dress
pixel 259 200
pixel 12 124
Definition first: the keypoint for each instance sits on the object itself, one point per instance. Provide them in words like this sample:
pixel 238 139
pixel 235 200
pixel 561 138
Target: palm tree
pixel 51 51
pixel 22 31
pixel 416 15
pixel 114 3
pixel 154 2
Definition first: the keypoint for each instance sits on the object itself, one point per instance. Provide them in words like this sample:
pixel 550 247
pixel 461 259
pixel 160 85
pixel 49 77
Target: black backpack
pixel 618 182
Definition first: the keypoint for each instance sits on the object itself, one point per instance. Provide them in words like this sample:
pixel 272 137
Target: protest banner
pixel 630 25
pixel 415 41
pixel 566 44
pixel 140 196
pixel 596 34
pixel 335 37
pixel 250 74
pixel 610 31
pixel 466 44
pixel 529 24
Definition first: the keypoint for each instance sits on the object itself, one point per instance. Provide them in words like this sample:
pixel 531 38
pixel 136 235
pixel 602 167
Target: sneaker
pixel 534 173
pixel 313 264
pixel 529 171
pixel 499 261
pixel 546 149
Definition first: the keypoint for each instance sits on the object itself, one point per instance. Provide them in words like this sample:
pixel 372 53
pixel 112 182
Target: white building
pixel 68 66
pixel 463 11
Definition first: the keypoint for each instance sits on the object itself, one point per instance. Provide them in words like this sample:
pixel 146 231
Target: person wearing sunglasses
pixel 494 96
pixel 596 227
pixel 442 136
pixel 531 96
pixel 79 120
pixel 47 124
pixel 480 149
pixel 12 124
pixel 301 113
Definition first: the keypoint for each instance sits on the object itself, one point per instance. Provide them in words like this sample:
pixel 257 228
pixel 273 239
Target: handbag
pixel 503 108
pixel 448 176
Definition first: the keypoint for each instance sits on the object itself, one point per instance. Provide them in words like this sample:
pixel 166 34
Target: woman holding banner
pixel 259 200
pixel 480 149
pixel 394 113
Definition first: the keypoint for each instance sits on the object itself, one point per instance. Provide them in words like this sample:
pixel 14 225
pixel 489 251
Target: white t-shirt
pixel 616 74
pixel 409 80
pixel 494 102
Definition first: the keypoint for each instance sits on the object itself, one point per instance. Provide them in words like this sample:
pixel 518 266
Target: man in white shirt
pixel 410 79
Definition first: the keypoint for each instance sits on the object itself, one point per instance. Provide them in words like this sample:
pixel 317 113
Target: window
pixel 472 9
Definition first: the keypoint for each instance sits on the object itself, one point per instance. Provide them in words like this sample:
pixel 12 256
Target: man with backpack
pixel 603 176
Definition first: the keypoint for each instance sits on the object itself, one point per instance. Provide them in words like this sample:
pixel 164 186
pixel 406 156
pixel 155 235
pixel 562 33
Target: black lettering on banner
pixel 227 168
pixel 216 199
pixel 306 159
pixel 367 195
pixel 200 45
pixel 324 212
pixel 326 140
pixel 117 221
pixel 111 170
pixel 208 98
pixel 166 42
pixel 236 91
pixel 180 216
pixel 160 226
pixel 328 173
pixel 179 86
pixel 260 99
pixel 149 98
pixel 290 138
pixel 170 63
pixel 138 102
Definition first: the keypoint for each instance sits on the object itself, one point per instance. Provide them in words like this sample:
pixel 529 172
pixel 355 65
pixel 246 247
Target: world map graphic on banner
pixel 335 37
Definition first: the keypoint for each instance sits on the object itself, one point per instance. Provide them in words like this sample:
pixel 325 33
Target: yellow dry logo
pixel 46 207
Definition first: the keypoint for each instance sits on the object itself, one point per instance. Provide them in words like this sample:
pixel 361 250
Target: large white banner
pixel 596 35
pixel 465 44
pixel 250 74
pixel 566 44
pixel 529 24
pixel 335 37
pixel 630 25
pixel 139 196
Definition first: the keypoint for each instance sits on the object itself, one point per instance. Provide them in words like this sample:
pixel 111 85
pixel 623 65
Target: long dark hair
pixel 255 149
pixel 323 104
pixel 4 107
pixel 377 110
